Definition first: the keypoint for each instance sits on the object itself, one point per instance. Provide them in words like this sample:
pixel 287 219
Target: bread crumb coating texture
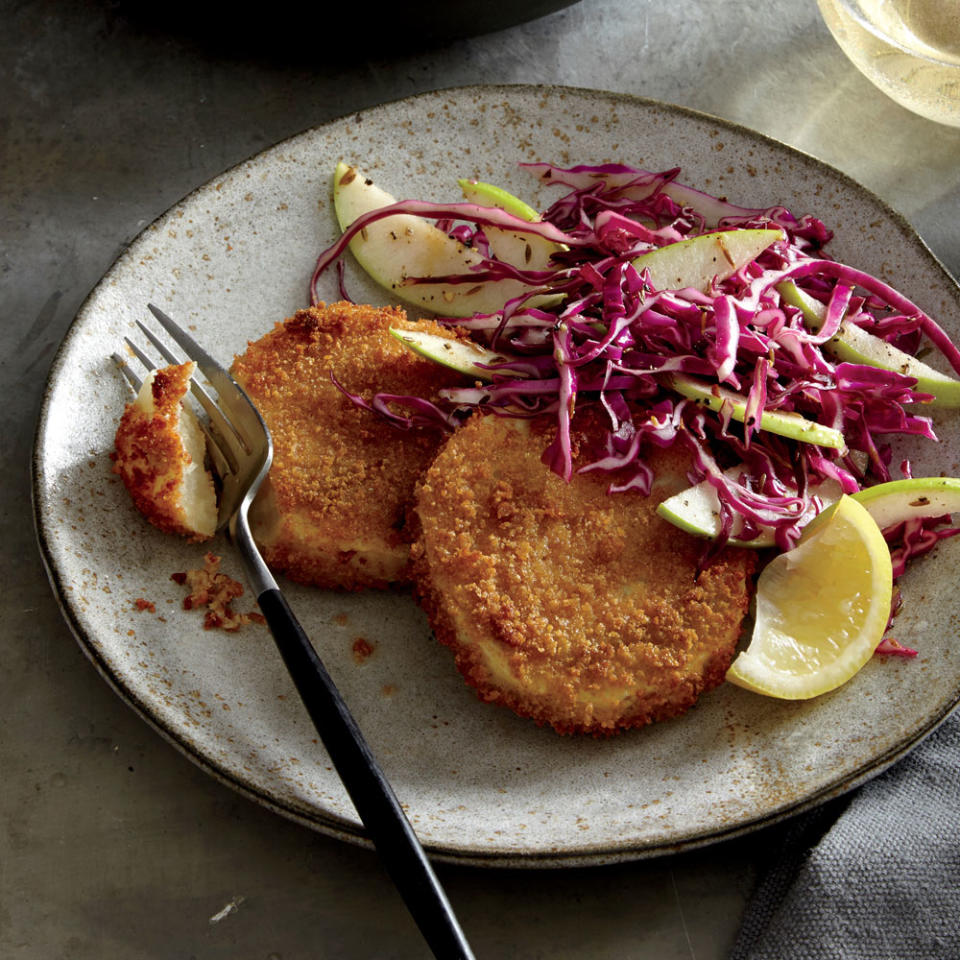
pixel 578 608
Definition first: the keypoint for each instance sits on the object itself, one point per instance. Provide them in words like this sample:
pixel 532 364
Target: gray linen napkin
pixel 871 876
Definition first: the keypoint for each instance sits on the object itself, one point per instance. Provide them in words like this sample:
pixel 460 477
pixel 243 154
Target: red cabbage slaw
pixel 612 339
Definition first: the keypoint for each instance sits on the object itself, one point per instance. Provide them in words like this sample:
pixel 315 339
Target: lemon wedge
pixel 822 607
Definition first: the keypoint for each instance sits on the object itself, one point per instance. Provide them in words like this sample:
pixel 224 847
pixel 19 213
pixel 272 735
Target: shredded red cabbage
pixel 914 538
pixel 894 648
pixel 613 336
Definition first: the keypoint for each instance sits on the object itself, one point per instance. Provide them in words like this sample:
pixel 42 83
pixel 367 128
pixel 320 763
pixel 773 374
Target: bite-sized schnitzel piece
pixel 333 510
pixel 572 606
pixel 160 452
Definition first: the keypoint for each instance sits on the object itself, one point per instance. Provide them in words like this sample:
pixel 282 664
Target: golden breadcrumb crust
pixel 152 461
pixel 574 607
pixel 334 508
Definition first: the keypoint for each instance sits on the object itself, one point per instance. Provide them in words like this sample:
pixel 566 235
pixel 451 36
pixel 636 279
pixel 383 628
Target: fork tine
pixel 139 354
pixel 162 348
pixel 236 401
pixel 224 457
pixel 124 368
pixel 204 361
pixel 230 436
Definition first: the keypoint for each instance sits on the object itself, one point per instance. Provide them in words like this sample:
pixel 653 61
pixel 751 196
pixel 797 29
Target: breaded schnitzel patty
pixel 572 606
pixel 333 510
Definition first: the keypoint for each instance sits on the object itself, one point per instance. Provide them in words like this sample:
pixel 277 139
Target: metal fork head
pixel 238 441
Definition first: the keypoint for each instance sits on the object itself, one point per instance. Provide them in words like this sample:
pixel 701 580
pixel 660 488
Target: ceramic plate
pixel 480 785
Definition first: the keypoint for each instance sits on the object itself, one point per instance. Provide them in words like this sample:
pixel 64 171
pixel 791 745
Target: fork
pixel 241 451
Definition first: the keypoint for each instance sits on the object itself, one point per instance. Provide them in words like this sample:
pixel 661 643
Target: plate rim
pixel 341 828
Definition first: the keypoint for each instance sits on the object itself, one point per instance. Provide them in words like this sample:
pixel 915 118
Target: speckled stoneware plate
pixel 481 786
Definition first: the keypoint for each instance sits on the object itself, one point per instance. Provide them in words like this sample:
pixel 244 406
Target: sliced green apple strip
pixel 853 344
pixel 524 250
pixel 464 356
pixel 785 423
pixel 698 261
pixel 490 195
pixel 697 510
pixel 813 310
pixel 397 248
pixel 915 498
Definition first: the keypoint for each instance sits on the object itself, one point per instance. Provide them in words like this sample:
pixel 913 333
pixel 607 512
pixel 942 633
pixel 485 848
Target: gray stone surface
pixel 111 843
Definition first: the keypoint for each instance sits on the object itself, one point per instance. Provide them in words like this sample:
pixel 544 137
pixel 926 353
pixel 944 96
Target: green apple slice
pixel 490 195
pixel 460 355
pixel 785 423
pixel 853 344
pixel 696 262
pixel 524 250
pixel 400 247
pixel 917 497
pixel 697 510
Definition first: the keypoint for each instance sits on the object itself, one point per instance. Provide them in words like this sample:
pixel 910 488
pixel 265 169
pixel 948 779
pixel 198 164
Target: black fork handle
pixel 378 807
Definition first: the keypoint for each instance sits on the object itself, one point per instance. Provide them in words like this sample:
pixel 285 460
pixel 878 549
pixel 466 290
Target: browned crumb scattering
pixel 215 590
pixel 145 605
pixel 341 619
pixel 362 649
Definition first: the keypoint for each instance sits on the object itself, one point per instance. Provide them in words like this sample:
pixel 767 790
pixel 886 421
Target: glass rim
pixel 853 8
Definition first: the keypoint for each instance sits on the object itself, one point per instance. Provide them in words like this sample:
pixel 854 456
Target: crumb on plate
pixel 215 590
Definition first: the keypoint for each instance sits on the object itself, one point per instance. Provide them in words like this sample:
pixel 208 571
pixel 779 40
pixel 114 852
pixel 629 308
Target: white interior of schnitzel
pixel 196 495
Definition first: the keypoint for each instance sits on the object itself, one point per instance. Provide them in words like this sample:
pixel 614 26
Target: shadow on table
pixel 340 33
